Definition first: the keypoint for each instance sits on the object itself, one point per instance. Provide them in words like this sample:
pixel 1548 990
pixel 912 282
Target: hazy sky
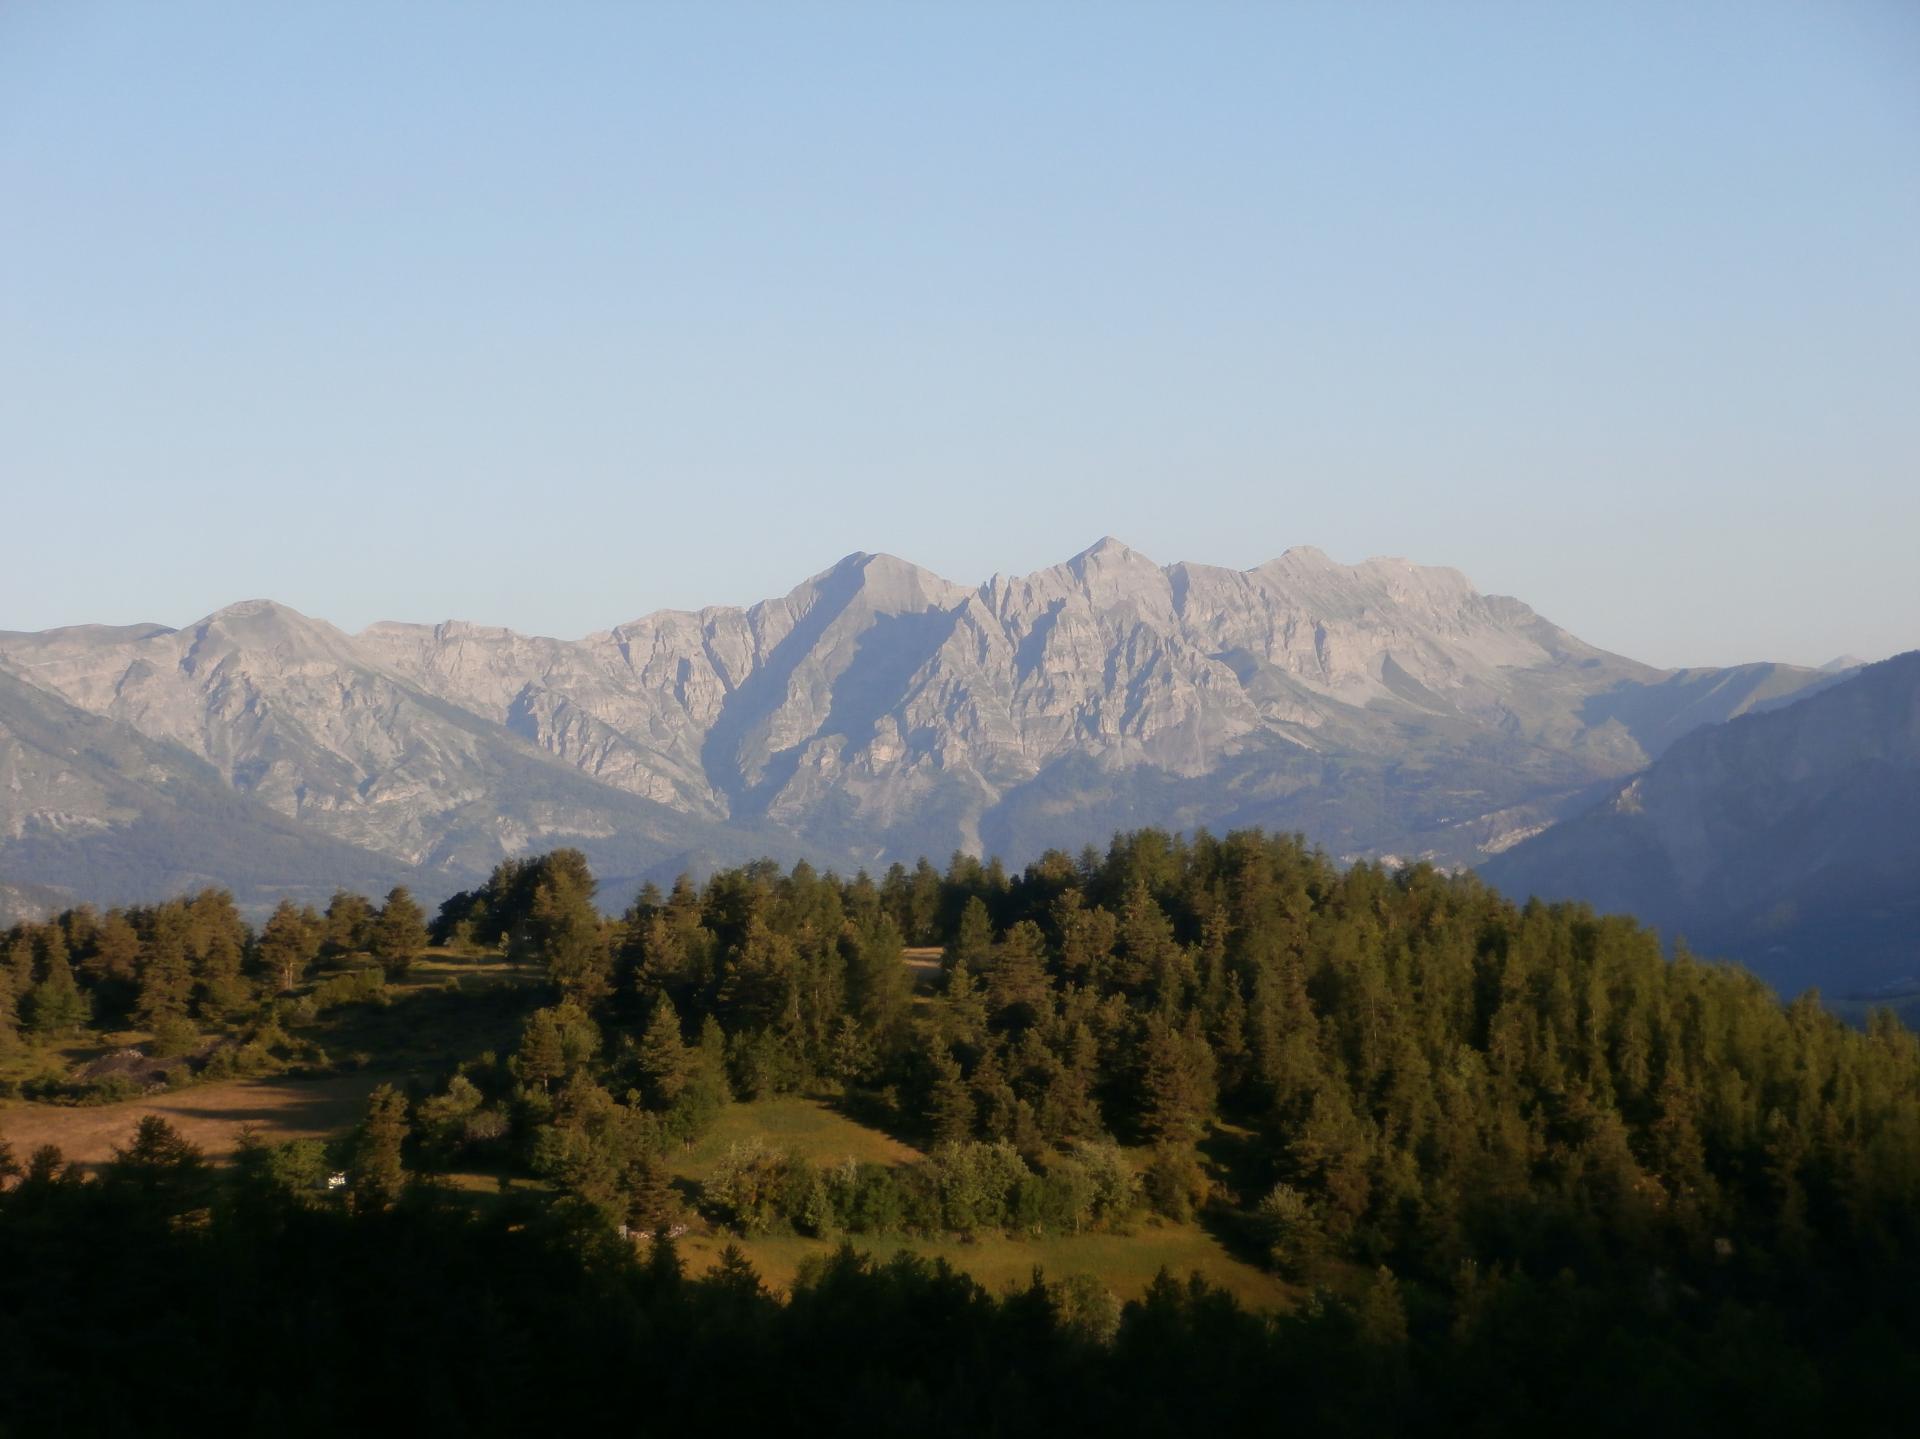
pixel 551 315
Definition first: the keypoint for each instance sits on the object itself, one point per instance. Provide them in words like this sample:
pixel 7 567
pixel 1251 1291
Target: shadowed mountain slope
pixel 1789 840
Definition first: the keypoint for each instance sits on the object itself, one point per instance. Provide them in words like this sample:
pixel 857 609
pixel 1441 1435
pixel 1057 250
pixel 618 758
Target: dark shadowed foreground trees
pixel 140 1302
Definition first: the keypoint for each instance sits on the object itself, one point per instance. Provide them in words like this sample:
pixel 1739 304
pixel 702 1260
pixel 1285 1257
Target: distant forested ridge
pixel 1528 1170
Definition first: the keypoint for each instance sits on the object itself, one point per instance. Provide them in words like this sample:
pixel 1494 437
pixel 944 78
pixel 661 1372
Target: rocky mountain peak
pixel 879 709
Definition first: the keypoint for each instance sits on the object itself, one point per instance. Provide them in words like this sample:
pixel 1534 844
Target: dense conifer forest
pixel 1522 1168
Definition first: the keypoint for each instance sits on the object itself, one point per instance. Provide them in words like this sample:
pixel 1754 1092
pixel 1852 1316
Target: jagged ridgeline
pixel 1514 1160
pixel 875 712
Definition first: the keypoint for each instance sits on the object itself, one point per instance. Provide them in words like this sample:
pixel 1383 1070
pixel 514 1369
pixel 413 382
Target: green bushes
pixel 367 985
pixel 962 1188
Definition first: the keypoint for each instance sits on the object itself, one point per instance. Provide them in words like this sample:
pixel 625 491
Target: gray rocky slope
pixel 1789 840
pixel 875 712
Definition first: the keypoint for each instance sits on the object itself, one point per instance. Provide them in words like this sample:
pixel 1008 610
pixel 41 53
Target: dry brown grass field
pixel 210 1115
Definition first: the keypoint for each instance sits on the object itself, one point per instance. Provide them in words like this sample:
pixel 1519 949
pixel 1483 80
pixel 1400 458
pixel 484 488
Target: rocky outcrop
pixel 880 711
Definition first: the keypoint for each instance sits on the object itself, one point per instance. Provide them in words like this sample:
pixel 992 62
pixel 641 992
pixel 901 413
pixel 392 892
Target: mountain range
pixel 1789 840
pixel 875 712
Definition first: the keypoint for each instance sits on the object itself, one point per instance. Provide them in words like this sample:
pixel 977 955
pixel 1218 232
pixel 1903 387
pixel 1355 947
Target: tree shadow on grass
pixel 872 1110
pixel 1238 1164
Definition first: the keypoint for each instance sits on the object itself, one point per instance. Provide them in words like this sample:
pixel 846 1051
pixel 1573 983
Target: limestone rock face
pixel 878 711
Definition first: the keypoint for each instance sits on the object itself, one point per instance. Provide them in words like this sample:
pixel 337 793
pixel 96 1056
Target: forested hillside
pixel 1520 1163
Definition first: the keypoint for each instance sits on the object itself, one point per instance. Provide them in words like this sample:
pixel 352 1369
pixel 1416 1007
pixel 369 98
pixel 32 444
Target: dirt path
pixel 211 1115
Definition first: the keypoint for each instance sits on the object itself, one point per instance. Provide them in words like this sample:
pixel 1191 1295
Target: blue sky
pixel 553 315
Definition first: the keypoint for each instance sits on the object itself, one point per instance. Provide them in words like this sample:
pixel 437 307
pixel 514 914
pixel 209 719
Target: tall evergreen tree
pixel 288 946
pixel 166 972
pixel 55 1006
pixel 972 944
pixel 663 1060
pixel 563 930
pixel 1017 991
pixel 398 933
pixel 950 1108
pixel 377 1176
pixel 541 1057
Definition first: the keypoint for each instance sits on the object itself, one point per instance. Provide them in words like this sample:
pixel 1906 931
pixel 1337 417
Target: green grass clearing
pixel 1125 1262
pixel 801 1126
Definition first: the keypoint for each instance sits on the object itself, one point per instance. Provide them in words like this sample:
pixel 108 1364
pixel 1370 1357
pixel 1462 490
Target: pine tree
pixel 166 974
pixel 20 961
pixel 1381 1315
pixel 651 1205
pixel 923 904
pixel 563 929
pixel 52 949
pixel 663 1060
pixel 994 1102
pixel 161 1167
pixel 1149 959
pixel 878 991
pixel 705 1093
pixel 9 1021
pixel 287 946
pixel 950 1112
pixel 962 1015
pixel 756 991
pixel 55 1005
pixel 1176 1085
pixel 541 1058
pixel 111 968
pixel 1086 937
pixel 399 933
pixel 220 989
pixel 972 945
pixel 1017 977
pixel 377 1177
pixel 348 925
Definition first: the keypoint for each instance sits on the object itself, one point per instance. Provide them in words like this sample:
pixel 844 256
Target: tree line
pixel 1456 1117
